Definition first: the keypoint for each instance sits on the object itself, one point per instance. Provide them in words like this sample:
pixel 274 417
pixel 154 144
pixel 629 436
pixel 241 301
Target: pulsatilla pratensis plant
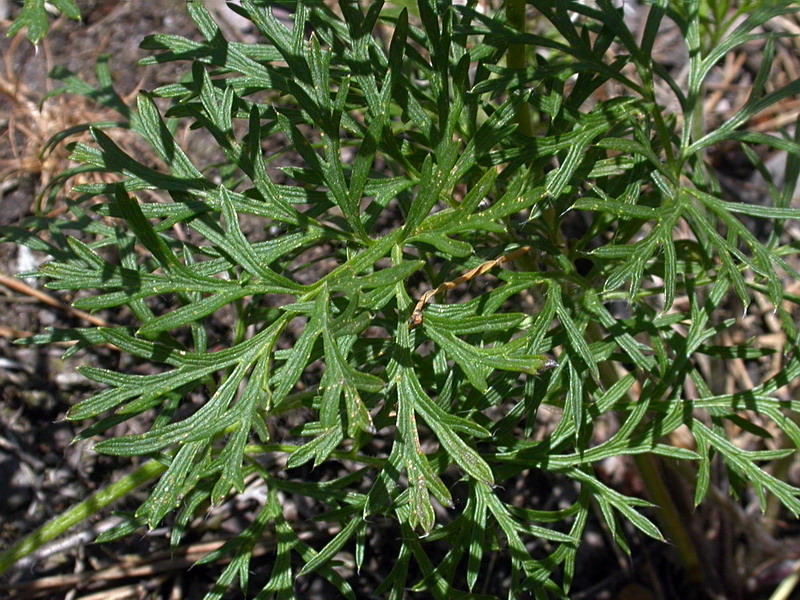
pixel 452 262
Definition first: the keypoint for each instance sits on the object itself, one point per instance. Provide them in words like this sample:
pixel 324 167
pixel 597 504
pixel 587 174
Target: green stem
pixel 372 461
pixel 515 17
pixel 79 512
pixel 147 472
pixel 669 516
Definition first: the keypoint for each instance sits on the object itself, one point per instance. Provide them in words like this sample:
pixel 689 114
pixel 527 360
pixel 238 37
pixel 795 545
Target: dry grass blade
pixel 23 288
pixel 416 315
pixel 31 122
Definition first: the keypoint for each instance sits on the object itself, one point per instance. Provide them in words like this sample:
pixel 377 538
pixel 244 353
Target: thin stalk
pixel 372 461
pixel 101 499
pixel 79 512
pixel 669 516
pixel 515 59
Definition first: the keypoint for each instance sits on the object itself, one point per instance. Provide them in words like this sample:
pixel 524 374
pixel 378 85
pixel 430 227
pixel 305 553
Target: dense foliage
pixel 429 149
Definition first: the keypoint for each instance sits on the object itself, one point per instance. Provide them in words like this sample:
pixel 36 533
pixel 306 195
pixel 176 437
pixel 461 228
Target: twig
pixel 23 288
pixel 733 67
pixel 416 316
pixel 62 545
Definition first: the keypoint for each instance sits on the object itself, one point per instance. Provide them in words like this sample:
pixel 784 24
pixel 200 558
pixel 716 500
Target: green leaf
pixel 192 312
pixel 34 17
pixel 624 504
pixel 129 525
pixel 168 491
pixel 743 460
pixel 477 363
pixel 467 458
pixel 751 108
pixel 431 185
pixel 143 230
pixel 319 448
pixel 242 252
pixel 476 511
pixel 574 335
pixel 333 547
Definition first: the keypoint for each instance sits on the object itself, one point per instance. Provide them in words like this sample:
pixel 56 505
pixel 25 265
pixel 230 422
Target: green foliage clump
pixel 446 147
pixel 33 17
